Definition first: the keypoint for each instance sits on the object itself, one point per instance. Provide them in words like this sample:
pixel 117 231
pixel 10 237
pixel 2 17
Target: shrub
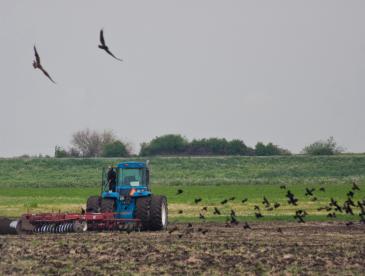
pixel 328 147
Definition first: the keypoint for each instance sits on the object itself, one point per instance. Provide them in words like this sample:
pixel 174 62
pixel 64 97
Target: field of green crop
pixel 173 171
pixel 40 185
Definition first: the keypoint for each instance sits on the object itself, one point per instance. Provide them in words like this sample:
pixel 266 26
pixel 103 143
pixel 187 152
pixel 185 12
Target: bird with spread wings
pixel 104 47
pixel 37 64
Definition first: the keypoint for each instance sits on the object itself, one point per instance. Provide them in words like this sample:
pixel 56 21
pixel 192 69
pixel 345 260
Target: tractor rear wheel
pixel 107 205
pixel 158 213
pixel 92 205
pixel 143 211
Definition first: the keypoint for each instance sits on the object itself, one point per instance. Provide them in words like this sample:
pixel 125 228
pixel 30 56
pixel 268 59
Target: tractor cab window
pixel 130 177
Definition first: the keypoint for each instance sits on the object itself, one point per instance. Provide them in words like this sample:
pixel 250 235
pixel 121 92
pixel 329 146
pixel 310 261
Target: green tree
pixel 170 144
pixel 115 149
pixel 270 149
pixel 60 152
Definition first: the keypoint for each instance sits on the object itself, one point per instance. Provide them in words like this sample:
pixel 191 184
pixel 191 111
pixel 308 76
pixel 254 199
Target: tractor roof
pixel 132 165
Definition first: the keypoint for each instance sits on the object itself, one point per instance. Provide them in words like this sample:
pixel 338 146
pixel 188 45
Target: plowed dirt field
pixel 271 247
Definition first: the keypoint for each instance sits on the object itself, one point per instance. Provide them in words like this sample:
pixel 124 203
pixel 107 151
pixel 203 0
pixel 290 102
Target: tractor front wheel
pixel 92 205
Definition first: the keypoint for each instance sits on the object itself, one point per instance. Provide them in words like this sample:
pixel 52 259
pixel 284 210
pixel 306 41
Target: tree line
pixel 91 143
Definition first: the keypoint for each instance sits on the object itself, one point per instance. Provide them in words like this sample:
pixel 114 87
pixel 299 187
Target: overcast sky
pixel 287 72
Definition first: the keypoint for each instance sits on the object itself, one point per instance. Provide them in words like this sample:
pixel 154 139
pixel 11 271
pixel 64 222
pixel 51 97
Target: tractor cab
pixel 132 177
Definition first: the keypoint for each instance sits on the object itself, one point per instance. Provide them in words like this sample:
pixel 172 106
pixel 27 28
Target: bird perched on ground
pixel 258 215
pixel 104 47
pixel 279 230
pixel 233 213
pixel 205 208
pixel 180 211
pixel 203 231
pixel 309 192
pixel 197 200
pixel 37 64
pixel 256 207
pixel 331 215
pixel 322 189
pixel 216 211
pixel 189 225
pixel 276 205
pixel 179 191
pixel 246 225
pixel 354 186
pixel 349 223
pixel 232 198
pixel 244 200
pixel 173 229
pixel 300 215
pixel 233 220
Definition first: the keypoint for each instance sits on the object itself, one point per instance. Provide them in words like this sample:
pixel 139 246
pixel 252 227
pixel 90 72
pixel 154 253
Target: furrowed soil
pixel 269 247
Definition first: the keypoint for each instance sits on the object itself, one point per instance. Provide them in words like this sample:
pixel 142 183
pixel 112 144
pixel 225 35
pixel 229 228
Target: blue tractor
pixel 130 197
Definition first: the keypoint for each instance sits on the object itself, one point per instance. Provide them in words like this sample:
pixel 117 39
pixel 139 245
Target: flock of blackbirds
pixel 333 208
pixel 37 62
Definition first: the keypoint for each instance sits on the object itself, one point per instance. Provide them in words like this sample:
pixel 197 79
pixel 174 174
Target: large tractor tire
pixel 143 211
pixel 158 213
pixel 107 205
pixel 92 205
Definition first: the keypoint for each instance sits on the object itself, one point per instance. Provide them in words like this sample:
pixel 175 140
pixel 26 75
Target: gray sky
pixel 289 72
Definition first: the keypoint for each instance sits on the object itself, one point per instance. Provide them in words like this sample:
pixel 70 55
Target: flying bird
pixel 179 191
pixel 309 192
pixel 216 211
pixel 197 200
pixel 104 47
pixel 224 201
pixel 37 65
pixel 244 200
